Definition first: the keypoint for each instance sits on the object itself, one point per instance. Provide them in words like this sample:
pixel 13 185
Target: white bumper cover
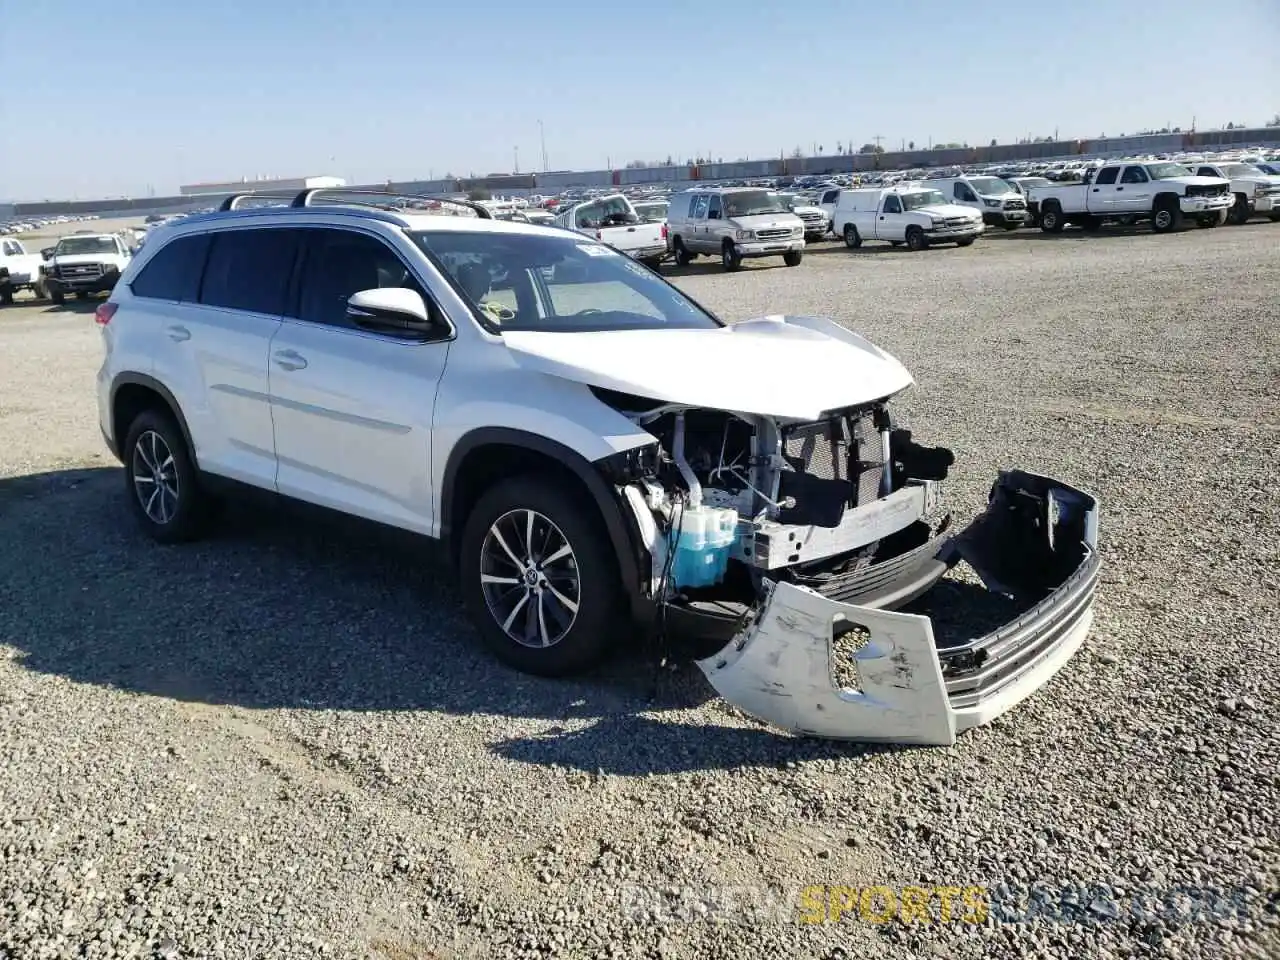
pixel 1037 540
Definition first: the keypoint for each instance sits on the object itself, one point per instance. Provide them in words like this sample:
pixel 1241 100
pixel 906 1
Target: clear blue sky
pixel 148 94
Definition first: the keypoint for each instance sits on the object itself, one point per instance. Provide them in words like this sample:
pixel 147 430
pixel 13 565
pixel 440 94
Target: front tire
pixel 1239 213
pixel 1166 218
pixel 58 297
pixel 916 239
pixel 852 239
pixel 965 243
pixel 161 481
pixel 6 296
pixel 539 577
pixel 729 257
pixel 792 258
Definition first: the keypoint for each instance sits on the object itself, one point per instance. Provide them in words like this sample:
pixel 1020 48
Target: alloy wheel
pixel 155 477
pixel 529 578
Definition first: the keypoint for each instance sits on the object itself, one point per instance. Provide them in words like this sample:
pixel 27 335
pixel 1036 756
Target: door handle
pixel 178 334
pixel 1095 190
pixel 1118 189
pixel 290 360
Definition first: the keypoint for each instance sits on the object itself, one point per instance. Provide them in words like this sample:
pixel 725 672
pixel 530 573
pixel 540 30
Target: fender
pixel 620 527
pixel 151 383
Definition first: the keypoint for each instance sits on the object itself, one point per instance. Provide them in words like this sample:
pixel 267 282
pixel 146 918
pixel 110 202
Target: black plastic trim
pixel 151 383
pixel 622 533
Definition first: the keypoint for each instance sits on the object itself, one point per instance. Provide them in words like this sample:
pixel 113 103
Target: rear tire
pixel 1051 220
pixel 792 258
pixel 683 256
pixel 852 239
pixel 161 481
pixel 580 630
pixel 1090 224
pixel 916 240
pixel 6 296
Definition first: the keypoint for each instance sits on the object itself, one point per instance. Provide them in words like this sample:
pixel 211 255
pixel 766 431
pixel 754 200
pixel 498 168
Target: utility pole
pixel 542 140
pixel 517 153
pixel 877 138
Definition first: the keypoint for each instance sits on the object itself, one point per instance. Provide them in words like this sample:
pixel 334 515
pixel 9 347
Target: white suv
pixel 598 451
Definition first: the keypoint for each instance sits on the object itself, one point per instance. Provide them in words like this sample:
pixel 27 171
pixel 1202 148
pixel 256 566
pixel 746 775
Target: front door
pixel 889 221
pixel 1134 193
pixel 352 407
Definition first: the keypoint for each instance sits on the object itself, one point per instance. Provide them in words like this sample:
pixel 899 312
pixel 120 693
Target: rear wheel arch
pixel 131 394
pixel 489 454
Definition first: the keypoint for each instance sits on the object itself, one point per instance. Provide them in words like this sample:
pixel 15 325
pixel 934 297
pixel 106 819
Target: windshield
pixel 76 245
pixel 990 186
pixel 557 283
pixel 1163 171
pixel 1030 182
pixel 602 213
pixel 752 203
pixel 925 198
pixel 1241 170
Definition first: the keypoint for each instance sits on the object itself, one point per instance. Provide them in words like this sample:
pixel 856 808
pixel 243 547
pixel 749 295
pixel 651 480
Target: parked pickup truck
pixel 85 263
pixel 1254 192
pixel 19 270
pixel 614 221
pixel 917 216
pixel 1158 191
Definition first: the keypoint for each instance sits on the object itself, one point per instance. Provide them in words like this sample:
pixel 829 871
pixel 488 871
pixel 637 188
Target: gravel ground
pixel 284 742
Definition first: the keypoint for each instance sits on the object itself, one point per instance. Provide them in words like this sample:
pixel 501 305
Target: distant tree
pixel 670 162
pixel 839 146
pixel 797 153
pixel 871 148
pixel 819 149
pixel 1177 129
pixel 993 142
pixel 1230 125
pixel 911 144
pixel 479 195
pixel 1274 121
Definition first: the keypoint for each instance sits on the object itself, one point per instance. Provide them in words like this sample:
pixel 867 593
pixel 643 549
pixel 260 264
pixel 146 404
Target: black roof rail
pixel 233 202
pixel 382 200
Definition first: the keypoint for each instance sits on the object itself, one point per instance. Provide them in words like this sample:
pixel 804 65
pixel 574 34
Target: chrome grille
pixel 80 271
pixel 1016 204
pixel 774 234
pixel 1207 190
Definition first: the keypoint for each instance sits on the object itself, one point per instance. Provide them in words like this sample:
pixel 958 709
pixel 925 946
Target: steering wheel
pixel 498 311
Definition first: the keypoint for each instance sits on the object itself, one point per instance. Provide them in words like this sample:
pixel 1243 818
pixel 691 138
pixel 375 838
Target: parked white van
pixel 733 223
pixel 917 216
pixel 998 201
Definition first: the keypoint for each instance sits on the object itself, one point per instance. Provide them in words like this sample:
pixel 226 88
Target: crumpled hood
pixel 1194 181
pixel 789 367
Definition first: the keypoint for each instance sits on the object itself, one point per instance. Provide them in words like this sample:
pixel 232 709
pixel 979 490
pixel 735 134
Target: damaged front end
pixel 787 550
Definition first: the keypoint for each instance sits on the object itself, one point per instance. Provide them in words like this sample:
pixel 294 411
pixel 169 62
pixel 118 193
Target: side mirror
pixel 392 310
pixel 47 253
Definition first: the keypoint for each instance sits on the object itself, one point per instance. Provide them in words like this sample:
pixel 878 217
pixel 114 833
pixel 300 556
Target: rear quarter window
pixel 250 269
pixel 173 273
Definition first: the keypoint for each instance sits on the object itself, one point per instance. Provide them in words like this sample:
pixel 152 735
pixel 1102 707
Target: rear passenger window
pixel 249 270
pixel 174 272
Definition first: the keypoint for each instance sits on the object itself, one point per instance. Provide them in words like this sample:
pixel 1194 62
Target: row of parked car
pixel 738 222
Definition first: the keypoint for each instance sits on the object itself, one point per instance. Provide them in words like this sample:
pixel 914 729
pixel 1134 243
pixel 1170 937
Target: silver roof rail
pixel 233 202
pixel 396 202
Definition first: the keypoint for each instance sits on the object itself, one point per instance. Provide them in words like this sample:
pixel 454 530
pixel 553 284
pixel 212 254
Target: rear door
pixel 698 218
pixel 352 408
pixel 214 335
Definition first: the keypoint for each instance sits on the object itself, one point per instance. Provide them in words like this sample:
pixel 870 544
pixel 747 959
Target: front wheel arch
pixel 488 454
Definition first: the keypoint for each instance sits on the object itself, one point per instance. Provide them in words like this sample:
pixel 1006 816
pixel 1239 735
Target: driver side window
pixel 339 263
pixel 713 208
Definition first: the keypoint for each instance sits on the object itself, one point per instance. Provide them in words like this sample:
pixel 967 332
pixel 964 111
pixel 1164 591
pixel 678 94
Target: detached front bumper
pixel 1036 542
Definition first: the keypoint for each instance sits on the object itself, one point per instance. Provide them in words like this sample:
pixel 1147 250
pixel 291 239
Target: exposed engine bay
pixel 770 539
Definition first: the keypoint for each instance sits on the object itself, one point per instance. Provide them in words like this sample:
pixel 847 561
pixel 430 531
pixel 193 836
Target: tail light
pixel 102 316
pixel 664 231
pixel 599 235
